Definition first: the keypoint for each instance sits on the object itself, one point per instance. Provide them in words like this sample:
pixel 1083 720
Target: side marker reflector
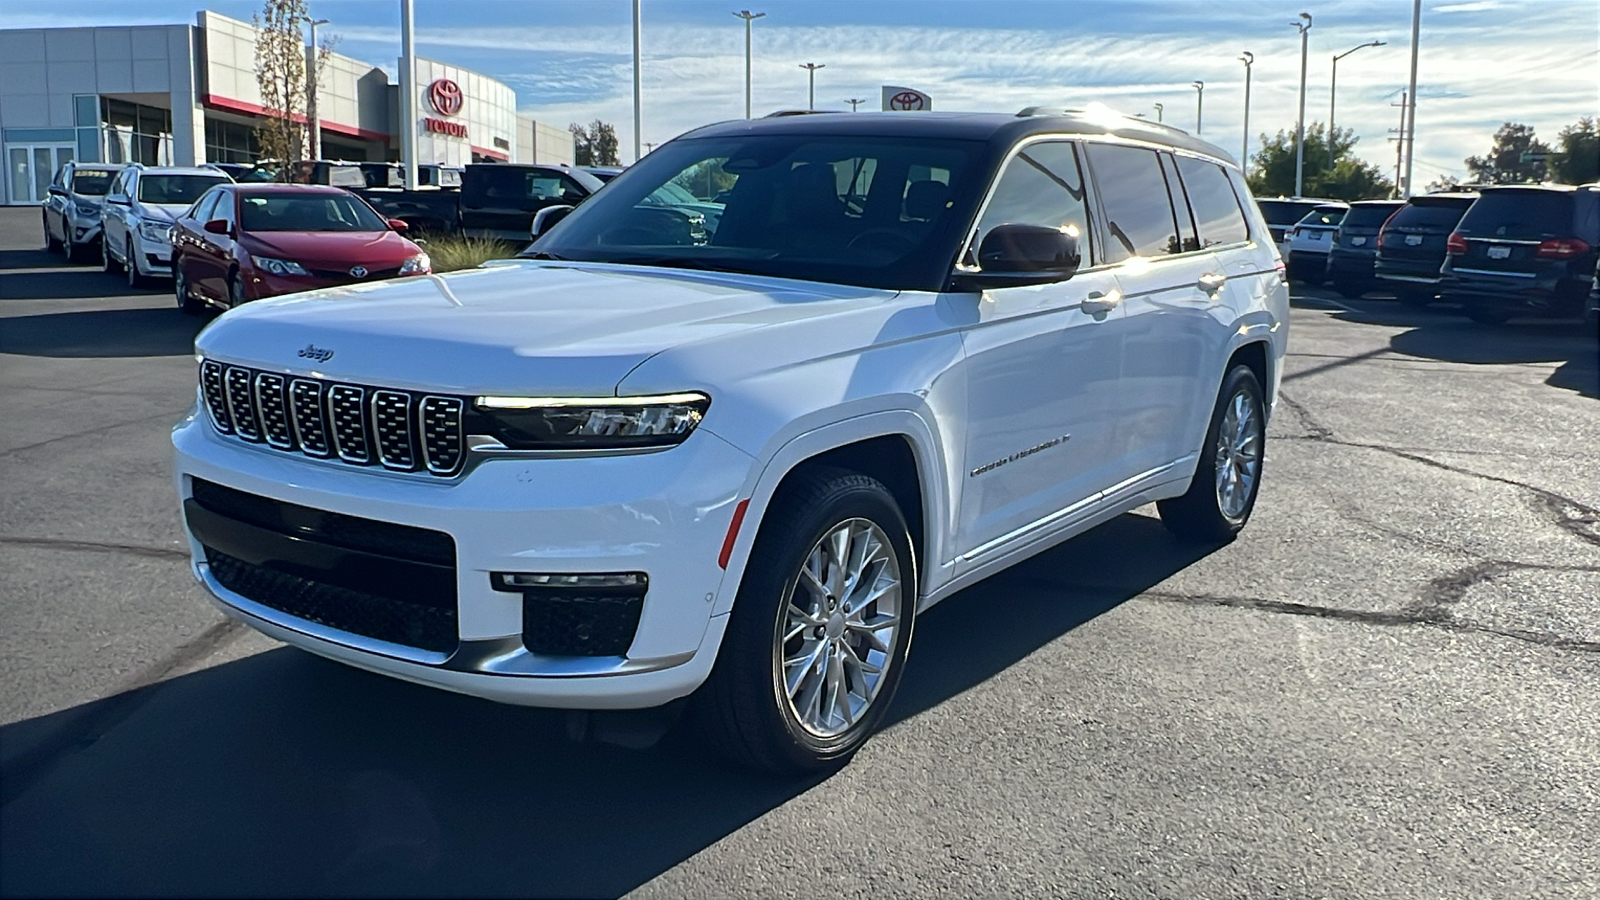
pixel 733 532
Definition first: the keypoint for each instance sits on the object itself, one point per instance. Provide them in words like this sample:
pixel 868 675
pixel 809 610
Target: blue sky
pixel 1483 62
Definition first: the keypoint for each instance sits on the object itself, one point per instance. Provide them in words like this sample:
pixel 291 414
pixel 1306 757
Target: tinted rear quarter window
pixel 1519 213
pixel 1216 208
pixel 1139 216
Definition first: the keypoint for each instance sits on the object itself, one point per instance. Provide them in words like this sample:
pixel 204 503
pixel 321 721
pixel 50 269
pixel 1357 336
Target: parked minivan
pixel 1411 244
pixel 1524 250
pixel 640 465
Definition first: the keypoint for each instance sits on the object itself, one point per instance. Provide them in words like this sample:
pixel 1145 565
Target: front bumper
pixel 85 229
pixel 151 257
pixel 665 513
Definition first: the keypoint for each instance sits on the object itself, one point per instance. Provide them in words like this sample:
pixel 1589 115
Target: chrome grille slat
pixel 348 422
pixel 391 429
pixel 216 398
pixel 403 431
pixel 310 425
pixel 241 403
pixel 441 433
pixel 274 412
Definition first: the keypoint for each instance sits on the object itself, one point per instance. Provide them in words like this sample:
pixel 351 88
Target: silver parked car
pixel 140 208
pixel 73 207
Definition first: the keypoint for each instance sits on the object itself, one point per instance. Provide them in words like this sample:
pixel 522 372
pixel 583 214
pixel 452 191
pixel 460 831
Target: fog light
pixel 588 614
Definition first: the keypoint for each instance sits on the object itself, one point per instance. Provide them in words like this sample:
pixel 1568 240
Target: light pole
pixel 1249 60
pixel 1159 108
pixel 1199 103
pixel 408 96
pixel 638 97
pixel 314 123
pixel 811 92
pixel 748 17
pixel 1333 92
pixel 854 103
pixel 1300 121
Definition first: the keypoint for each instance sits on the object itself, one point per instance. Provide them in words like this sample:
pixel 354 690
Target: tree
pixel 1349 178
pixel 595 145
pixel 1578 160
pixel 281 78
pixel 1517 157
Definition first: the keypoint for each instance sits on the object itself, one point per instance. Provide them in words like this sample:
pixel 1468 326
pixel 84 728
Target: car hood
pixel 520 327
pixel 162 212
pixel 332 249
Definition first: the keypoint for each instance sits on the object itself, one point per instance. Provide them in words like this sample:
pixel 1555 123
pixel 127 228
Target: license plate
pixel 1413 240
pixel 1358 242
pixel 1319 236
pixel 1499 252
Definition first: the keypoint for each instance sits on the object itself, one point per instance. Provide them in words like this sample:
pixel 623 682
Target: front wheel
pixel 820 628
pixel 130 264
pixel 1223 491
pixel 51 245
pixel 108 264
pixel 180 287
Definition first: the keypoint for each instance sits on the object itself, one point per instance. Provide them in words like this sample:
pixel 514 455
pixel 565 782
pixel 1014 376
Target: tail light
pixel 1562 248
pixel 1455 244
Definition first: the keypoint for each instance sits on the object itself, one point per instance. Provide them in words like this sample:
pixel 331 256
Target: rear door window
pixel 1216 209
pixel 1522 214
pixel 1139 217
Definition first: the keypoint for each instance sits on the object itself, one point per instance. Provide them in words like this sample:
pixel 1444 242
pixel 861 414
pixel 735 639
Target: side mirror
pixel 1016 255
pixel 546 219
pixel 217 226
pixel 57 192
pixel 399 226
pixel 117 200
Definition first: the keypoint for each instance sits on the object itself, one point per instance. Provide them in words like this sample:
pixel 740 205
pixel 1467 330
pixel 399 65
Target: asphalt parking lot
pixel 1388 686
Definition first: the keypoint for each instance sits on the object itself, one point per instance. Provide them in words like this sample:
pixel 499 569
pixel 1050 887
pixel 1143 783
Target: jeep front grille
pixel 405 431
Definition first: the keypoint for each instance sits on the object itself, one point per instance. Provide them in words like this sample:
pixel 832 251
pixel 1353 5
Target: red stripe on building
pixel 229 104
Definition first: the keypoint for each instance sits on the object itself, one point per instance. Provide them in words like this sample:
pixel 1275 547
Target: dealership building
pixel 186 94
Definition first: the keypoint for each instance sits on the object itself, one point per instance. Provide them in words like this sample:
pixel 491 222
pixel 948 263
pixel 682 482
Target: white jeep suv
pixel 139 210
pixel 646 461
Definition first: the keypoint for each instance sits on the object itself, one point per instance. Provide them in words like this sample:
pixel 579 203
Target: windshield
pixel 874 212
pixel 1519 214
pixel 313 212
pixel 1285 212
pixel 1368 216
pixel 92 183
pixel 178 190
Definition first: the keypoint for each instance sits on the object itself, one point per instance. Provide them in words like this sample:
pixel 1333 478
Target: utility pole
pixel 854 103
pixel 1199 103
pixel 638 102
pixel 408 95
pixel 1249 60
pixel 1411 117
pixel 313 122
pixel 1333 92
pixel 1300 121
pixel 748 17
pixel 811 92
pixel 1400 141
pixel 1159 108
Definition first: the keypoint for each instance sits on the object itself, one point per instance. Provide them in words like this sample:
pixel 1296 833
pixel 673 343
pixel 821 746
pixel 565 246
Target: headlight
pixel 578 423
pixel 155 231
pixel 280 266
pixel 417 265
pixel 88 212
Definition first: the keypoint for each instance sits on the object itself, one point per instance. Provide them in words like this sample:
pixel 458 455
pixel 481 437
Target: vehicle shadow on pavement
pixel 282 773
pixel 1570 342
pixel 102 333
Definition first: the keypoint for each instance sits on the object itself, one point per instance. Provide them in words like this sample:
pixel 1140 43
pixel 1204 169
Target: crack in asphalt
pixel 169 416
pixel 95 547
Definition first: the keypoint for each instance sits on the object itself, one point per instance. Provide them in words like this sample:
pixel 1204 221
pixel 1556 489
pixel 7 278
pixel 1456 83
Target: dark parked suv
pixel 1524 251
pixel 1411 245
pixel 1355 246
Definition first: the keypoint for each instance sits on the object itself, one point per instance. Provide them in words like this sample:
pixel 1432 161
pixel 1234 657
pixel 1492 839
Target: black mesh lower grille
pixel 352 532
pixel 381 618
pixel 560 623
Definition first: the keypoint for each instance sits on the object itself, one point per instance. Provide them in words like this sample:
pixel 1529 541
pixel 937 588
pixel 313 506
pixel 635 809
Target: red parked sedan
pixel 242 242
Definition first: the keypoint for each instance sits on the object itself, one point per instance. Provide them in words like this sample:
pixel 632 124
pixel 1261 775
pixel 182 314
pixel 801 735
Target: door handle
pixel 1211 282
pixel 1100 302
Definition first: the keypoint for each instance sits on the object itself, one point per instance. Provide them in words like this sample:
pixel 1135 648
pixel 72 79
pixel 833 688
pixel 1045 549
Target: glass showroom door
pixel 31 167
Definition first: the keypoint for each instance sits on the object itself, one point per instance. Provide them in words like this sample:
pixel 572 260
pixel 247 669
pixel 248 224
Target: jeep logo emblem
pixel 312 351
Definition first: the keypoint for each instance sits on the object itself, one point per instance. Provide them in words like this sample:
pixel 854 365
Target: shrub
pixel 452 252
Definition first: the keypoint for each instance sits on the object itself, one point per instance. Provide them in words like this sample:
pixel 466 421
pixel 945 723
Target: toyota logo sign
pixel 445 95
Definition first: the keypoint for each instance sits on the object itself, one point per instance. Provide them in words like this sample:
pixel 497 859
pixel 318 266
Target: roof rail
pixel 1095 109
pixel 778 114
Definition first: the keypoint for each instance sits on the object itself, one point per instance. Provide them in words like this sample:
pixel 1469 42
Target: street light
pixel 1300 121
pixel 638 93
pixel 748 17
pixel 854 103
pixel 312 120
pixel 1159 108
pixel 1199 103
pixel 811 93
pixel 1333 91
pixel 1248 59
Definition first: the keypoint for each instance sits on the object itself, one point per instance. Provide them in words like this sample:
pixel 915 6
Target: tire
pixel 107 264
pixel 236 297
pixel 131 266
pixel 746 703
pixel 180 290
pixel 51 245
pixel 1488 316
pixel 1208 512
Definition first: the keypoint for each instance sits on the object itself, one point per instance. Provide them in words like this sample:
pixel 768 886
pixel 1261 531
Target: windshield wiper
pixel 541 254
pixel 687 262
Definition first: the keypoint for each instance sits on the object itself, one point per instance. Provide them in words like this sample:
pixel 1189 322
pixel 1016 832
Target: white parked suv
pixel 139 210
pixel 645 462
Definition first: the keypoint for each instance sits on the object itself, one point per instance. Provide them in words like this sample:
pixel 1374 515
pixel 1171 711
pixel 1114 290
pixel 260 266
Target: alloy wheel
pixel 1238 455
pixel 833 643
